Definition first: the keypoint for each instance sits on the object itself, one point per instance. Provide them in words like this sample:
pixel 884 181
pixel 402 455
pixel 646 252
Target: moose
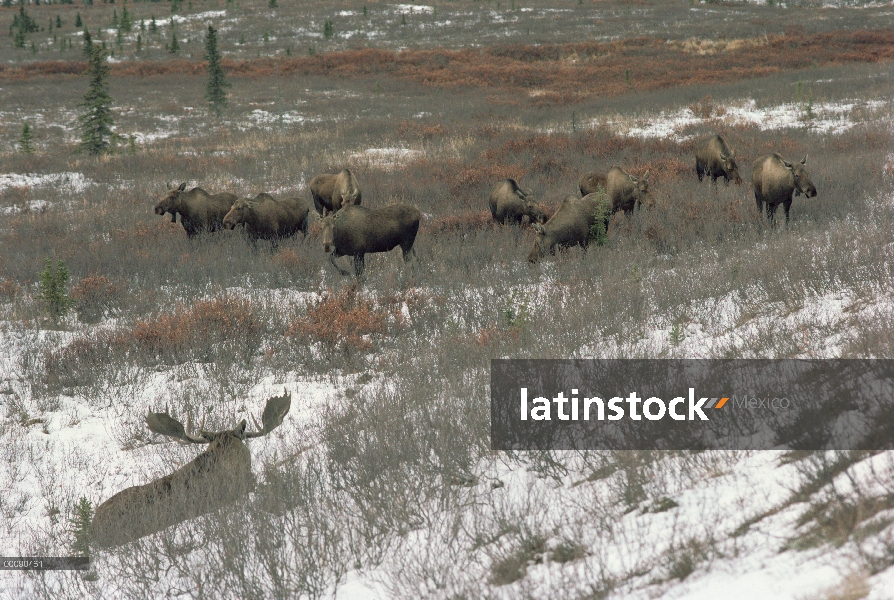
pixel 510 203
pixel 357 231
pixel 332 191
pixel 218 476
pixel 777 181
pixel 199 211
pixel 714 158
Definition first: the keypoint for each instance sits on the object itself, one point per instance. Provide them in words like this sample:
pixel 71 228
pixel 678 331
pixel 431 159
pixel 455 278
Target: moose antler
pixel 276 409
pixel 165 424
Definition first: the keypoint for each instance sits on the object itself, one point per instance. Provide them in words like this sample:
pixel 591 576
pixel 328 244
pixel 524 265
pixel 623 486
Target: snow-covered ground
pixel 84 446
pixel 829 118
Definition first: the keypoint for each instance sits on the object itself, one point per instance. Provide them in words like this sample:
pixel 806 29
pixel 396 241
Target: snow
pixel 831 118
pixel 264 117
pixel 413 9
pixel 386 157
pixel 203 16
pixel 67 181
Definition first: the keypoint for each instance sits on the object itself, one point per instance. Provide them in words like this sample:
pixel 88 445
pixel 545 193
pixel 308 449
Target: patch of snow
pixel 68 181
pixel 413 9
pixel 831 118
pixel 385 157
pixel 211 14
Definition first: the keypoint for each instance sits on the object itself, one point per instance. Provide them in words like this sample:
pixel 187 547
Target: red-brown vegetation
pixel 341 321
pixel 550 73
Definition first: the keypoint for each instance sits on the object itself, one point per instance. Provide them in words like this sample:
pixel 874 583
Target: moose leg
pixel 771 213
pixel 408 253
pixel 359 264
pixel 787 205
pixel 759 200
pixel 699 171
pixel 337 268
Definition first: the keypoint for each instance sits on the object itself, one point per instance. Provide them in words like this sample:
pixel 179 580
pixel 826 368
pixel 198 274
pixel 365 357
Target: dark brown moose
pixel 332 191
pixel 199 211
pixel 590 183
pixel 509 203
pixel 714 158
pixel 218 476
pixel 267 218
pixel 569 226
pixel 776 181
pixel 357 231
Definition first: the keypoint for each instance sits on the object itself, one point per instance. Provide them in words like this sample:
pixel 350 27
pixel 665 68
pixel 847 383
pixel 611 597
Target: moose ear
pixel 787 164
pixel 804 161
pixel 182 186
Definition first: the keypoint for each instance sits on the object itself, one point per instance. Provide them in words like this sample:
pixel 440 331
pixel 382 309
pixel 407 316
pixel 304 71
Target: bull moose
pixel 218 476
pixel 332 191
pixel 357 231
pixel 267 218
pixel 199 211
pixel 714 158
pixel 569 226
pixel 510 203
pixel 776 181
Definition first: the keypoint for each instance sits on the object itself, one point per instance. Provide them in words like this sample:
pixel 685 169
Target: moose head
pixel 217 477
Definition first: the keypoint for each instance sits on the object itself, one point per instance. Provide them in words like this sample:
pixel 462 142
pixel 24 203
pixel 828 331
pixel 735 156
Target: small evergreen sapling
pixel 25 142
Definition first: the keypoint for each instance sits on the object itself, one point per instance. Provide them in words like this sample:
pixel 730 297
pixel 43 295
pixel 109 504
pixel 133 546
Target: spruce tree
pixel 25 142
pixel 88 43
pixel 96 120
pixel 174 48
pixel 78 21
pixel 216 90
pixel 153 27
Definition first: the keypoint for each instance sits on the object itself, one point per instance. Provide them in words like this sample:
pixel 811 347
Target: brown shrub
pixel 341 321
pixel 411 131
pixel 186 333
pixel 9 289
pixel 94 295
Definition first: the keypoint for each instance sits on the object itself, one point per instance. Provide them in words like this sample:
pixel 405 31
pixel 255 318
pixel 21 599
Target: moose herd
pixel 222 474
pixel 349 229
